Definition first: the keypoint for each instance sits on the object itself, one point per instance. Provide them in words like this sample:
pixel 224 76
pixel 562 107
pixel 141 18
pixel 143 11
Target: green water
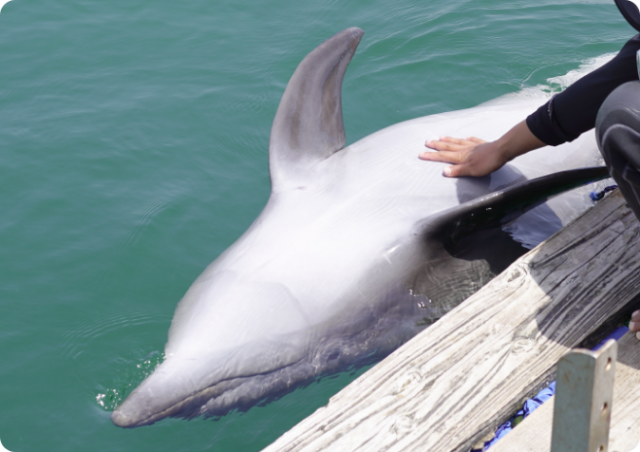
pixel 133 151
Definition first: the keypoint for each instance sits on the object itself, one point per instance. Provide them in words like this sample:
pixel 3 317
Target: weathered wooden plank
pixel 534 433
pixel 457 380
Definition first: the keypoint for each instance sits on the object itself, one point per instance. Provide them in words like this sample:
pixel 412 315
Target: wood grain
pixel 534 433
pixel 456 381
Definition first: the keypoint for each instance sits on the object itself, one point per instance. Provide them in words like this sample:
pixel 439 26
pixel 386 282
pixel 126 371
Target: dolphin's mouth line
pixel 208 393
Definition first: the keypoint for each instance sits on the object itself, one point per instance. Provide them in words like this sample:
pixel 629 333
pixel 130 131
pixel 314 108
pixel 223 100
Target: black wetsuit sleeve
pixel 573 111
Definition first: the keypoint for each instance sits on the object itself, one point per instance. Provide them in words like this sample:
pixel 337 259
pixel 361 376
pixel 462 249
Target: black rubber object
pixel 630 11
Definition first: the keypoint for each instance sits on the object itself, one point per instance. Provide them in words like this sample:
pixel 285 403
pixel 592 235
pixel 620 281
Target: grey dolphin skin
pixel 357 250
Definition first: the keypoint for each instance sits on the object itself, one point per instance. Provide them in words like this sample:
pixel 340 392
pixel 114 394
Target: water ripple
pixel 77 337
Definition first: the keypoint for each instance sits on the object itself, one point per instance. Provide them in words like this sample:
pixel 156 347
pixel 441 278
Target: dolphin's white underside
pixel 323 275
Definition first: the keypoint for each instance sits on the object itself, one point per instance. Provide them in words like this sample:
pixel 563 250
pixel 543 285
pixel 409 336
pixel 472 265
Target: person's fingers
pixel 465 142
pixel 472 158
pixel 456 171
pixel 433 157
pixel 442 156
pixel 444 146
pixel 634 325
pixel 454 140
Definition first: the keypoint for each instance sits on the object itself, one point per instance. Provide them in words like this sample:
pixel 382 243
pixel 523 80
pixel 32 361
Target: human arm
pixel 563 118
pixel 573 111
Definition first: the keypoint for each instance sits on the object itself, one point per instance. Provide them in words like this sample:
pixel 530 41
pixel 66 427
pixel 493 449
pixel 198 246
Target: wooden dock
pixel 534 433
pixel 458 380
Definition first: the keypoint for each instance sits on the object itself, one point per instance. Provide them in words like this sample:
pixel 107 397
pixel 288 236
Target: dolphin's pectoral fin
pixel 308 126
pixel 500 207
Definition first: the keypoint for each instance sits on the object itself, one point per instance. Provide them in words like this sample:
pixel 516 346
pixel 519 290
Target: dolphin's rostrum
pixel 357 249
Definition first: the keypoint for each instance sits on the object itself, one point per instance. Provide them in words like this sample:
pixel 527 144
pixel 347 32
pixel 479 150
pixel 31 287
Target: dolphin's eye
pixel 333 356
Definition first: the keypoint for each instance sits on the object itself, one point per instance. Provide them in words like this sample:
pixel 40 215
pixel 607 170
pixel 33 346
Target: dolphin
pixel 358 248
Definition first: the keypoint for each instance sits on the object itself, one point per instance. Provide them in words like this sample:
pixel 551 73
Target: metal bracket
pixel 584 392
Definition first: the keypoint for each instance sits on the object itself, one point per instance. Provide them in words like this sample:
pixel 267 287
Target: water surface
pixel 133 151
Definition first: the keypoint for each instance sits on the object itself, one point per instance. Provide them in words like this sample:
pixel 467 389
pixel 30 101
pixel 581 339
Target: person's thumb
pixel 455 171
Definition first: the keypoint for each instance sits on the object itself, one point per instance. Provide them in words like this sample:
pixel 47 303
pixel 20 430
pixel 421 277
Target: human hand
pixel 471 156
pixel 634 325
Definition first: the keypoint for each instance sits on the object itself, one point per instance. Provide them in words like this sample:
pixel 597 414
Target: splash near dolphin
pixel 357 250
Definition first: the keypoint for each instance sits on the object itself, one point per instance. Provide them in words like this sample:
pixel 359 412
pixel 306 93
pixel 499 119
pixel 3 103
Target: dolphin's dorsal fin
pixel 308 125
pixel 503 206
